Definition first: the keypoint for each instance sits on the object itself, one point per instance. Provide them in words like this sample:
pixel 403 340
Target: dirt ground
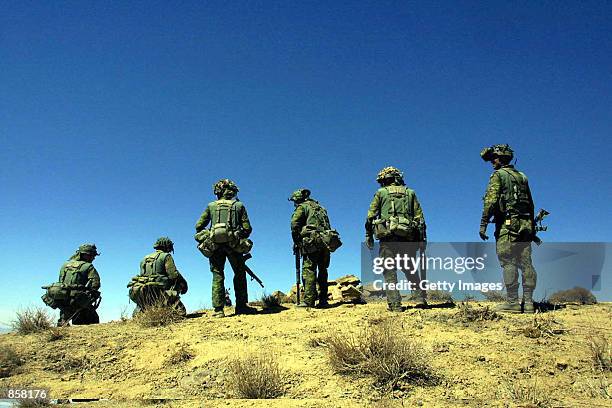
pixel 482 363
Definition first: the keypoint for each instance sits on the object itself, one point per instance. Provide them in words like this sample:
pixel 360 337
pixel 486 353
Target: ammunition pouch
pixel 57 295
pixel 206 245
pixel 331 239
pixel 311 240
pixel 242 246
pixel 396 226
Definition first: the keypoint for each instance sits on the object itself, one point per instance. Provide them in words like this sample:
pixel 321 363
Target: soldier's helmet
pixel 299 195
pixel 224 184
pixel 499 150
pixel 89 249
pixel 164 244
pixel 390 172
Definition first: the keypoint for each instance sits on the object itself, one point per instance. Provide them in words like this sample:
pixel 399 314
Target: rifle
pixel 537 221
pixel 298 267
pixel 248 270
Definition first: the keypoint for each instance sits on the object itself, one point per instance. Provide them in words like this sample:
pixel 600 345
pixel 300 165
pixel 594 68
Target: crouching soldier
pixel 159 282
pixel 76 294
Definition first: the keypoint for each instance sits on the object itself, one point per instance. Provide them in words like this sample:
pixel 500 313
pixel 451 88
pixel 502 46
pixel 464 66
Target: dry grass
pixel 158 314
pixel 56 333
pixel 574 295
pixel 543 326
pixel 256 376
pixel 601 352
pixel 495 296
pixel 32 403
pixel 180 355
pixel 527 393
pixel 383 352
pixel 32 320
pixel 61 362
pixel 9 361
pixel 469 314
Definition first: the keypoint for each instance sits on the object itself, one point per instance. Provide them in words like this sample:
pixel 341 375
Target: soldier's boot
pixel 304 305
pixel 528 300
pixel 512 305
pixel 422 302
pixel 218 313
pixel 245 309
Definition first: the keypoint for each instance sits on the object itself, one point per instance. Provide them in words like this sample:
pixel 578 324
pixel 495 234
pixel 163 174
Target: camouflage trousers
pixel 312 262
pixel 513 256
pixel 390 248
pixel 217 266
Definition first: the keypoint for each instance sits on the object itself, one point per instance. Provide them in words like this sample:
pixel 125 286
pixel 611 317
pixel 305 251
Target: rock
pixel 561 364
pixel 282 298
pixel 346 294
pixel 347 280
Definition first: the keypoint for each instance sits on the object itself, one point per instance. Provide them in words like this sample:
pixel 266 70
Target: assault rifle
pixel 537 221
pixel 248 270
pixel 298 267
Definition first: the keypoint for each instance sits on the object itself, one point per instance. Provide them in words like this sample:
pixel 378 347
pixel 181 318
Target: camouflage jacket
pixel 240 219
pixel 309 212
pixel 496 204
pixel 380 207
pixel 76 272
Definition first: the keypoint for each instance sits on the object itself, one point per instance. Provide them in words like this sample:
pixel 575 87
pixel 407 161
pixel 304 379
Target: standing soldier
pixel 508 201
pixel 159 282
pixel 227 238
pixel 76 293
pixel 314 239
pixel 396 219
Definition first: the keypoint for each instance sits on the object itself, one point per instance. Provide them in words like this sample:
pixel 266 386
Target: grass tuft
pixel 10 360
pixel 32 320
pixel 256 376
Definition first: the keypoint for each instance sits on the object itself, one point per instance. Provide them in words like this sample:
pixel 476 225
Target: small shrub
pixel 182 354
pixel 158 314
pixel 495 296
pixel 468 314
pixel 270 302
pixel 257 376
pixel 440 296
pixel 599 387
pixel 32 320
pixel 543 327
pixel 56 333
pixel 33 403
pixel 527 393
pixel 383 352
pixel 601 352
pixel 574 295
pixel 9 361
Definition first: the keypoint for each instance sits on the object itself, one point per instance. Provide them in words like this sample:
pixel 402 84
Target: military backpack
pixel 317 234
pixel 397 215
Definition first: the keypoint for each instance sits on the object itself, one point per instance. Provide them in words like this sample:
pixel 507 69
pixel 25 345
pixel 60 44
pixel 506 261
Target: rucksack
pixel 222 227
pixel 317 234
pixel 515 193
pixel 397 215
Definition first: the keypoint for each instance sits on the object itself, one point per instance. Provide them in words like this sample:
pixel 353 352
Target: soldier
pixel 227 238
pixel 76 293
pixel 395 217
pixel 159 282
pixel 310 217
pixel 508 201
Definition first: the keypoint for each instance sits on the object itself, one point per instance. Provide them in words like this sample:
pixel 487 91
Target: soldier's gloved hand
pixel 483 233
pixel 369 241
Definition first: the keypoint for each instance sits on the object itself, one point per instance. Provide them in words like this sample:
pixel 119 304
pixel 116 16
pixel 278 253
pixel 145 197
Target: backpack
pixel 516 204
pixel 317 234
pixel 222 227
pixel 396 215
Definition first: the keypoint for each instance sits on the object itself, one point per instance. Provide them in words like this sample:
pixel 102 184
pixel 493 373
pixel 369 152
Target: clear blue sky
pixel 117 117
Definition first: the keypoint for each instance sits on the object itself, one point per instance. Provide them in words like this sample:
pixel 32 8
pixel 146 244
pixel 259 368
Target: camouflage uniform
pixel 310 212
pixel 160 267
pixel 80 273
pixel 508 202
pixel 226 190
pixel 381 208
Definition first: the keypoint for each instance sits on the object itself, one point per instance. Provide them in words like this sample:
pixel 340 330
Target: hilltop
pixel 480 362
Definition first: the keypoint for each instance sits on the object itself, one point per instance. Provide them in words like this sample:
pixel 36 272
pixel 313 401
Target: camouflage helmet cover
pixel 164 243
pixel 300 194
pixel 89 249
pixel 498 150
pixel 389 172
pixel 224 184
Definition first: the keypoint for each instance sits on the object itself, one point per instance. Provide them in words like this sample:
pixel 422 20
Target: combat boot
pixel 512 305
pixel 219 313
pixel 304 305
pixel 245 309
pixel 528 301
pixel 395 308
